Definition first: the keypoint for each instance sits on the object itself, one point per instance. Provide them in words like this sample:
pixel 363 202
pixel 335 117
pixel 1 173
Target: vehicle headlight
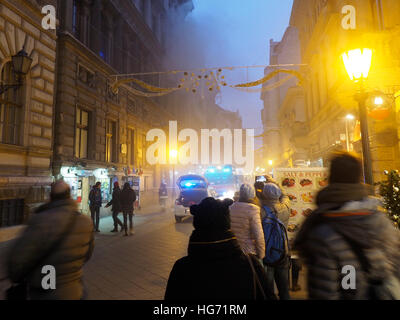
pixel 228 194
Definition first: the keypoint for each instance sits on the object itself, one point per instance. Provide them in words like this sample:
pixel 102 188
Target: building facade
pixel 99 135
pixel 283 115
pixel 27 111
pixel 329 93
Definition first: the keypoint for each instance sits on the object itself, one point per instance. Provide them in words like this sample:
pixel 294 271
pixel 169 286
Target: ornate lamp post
pixel 21 64
pixel 358 63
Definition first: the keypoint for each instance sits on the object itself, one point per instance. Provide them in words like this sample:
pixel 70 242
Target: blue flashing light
pixel 227 170
pixel 211 170
pixel 189 184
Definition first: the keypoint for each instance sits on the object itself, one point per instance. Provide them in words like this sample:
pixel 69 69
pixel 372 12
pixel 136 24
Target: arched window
pixel 10 108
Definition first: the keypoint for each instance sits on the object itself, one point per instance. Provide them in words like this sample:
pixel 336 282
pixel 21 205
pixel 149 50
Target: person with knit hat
pixel 270 199
pixel 216 267
pixel 349 229
pixel 116 207
pixel 246 222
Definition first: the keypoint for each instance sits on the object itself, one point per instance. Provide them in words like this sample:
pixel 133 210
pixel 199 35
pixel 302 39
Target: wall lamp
pixel 21 63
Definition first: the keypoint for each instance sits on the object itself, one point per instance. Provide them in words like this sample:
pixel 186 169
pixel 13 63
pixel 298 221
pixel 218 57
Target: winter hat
pixel 60 190
pixel 345 168
pixel 116 184
pixel 247 192
pixel 211 215
pixel 272 191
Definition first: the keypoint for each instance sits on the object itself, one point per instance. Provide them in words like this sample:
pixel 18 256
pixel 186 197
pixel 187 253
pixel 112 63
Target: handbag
pixel 19 291
pixel 256 280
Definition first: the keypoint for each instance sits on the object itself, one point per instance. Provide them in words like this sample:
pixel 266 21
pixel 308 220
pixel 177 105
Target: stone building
pixel 26 111
pixel 101 136
pixel 283 115
pixel 329 93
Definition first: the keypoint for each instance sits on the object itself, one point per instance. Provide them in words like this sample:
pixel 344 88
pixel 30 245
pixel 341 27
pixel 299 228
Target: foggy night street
pixel 180 151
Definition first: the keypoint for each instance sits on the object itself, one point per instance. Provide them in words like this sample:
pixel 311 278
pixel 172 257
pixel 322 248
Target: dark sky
pixel 237 33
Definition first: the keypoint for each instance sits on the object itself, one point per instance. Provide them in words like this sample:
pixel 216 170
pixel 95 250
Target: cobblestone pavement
pixel 137 267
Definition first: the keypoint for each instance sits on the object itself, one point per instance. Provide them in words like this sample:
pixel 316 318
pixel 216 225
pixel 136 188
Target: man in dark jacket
pixel 116 207
pixel 348 231
pixel 128 198
pixel 56 235
pixel 95 199
pixel 216 267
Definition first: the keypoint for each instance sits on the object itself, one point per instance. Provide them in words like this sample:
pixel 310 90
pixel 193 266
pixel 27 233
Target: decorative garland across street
pixel 208 79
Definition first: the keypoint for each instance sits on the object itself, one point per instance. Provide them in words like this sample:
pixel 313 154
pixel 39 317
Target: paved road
pixel 137 267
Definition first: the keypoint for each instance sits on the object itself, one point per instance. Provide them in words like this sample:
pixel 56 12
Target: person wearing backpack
pixel 275 217
pixel 350 247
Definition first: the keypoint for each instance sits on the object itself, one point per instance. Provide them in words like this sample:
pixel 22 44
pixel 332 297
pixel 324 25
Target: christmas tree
pixel 390 191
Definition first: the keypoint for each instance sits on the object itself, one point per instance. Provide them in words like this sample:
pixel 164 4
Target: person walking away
pixel 215 267
pixel 128 198
pixel 95 199
pixel 57 235
pixel 348 229
pixel 275 218
pixel 246 222
pixel 116 207
pixel 163 195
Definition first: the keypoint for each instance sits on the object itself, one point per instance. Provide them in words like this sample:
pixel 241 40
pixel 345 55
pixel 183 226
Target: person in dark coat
pixel 56 235
pixel 348 229
pixel 128 198
pixel 116 207
pixel 96 200
pixel 216 267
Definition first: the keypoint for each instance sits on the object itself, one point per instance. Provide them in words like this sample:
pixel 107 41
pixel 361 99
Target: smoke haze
pixel 223 33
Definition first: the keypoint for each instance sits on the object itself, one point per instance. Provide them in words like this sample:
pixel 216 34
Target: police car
pixel 192 190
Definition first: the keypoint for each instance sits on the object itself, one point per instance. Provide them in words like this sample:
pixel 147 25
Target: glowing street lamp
pixel 378 101
pixel 358 64
pixel 173 154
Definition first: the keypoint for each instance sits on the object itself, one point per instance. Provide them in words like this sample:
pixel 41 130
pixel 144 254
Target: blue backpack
pixel 276 240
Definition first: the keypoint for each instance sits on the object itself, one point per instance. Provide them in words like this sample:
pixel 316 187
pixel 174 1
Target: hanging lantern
pixel 379 114
pixel 378 106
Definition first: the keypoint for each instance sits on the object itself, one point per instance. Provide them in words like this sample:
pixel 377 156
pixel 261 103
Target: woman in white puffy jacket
pixel 246 222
